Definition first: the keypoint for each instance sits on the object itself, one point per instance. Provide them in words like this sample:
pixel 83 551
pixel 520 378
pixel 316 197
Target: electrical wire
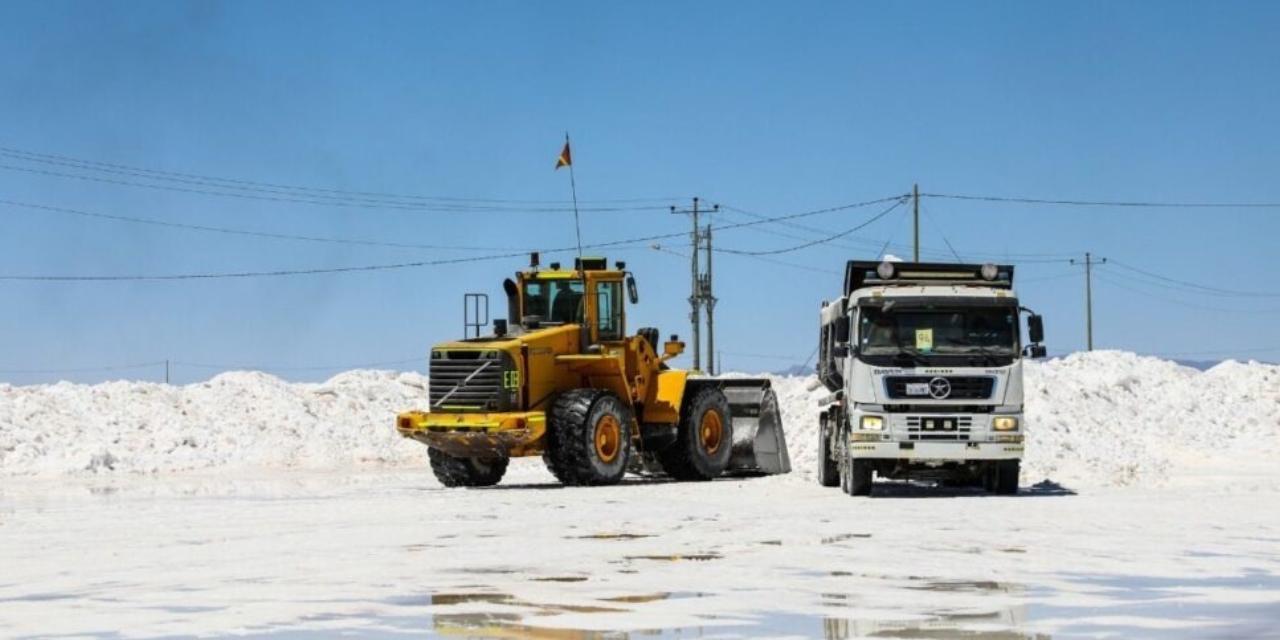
pixel 114 367
pixel 408 265
pixel 318 200
pixel 897 203
pixel 243 232
pixel 252 185
pixel 1107 203
pixel 343 367
pixel 1109 279
pixel 1208 290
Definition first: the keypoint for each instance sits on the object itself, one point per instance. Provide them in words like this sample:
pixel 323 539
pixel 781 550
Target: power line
pixel 1204 288
pixel 114 367
pixel 406 265
pixel 250 367
pixel 318 200
pixel 1108 203
pixel 897 203
pixel 252 185
pixel 242 232
pixel 1110 279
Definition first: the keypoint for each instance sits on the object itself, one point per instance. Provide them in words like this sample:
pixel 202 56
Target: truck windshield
pixel 967 330
pixel 555 301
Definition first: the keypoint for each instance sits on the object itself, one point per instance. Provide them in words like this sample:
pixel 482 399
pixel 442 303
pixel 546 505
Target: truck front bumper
pixel 471 435
pixel 926 451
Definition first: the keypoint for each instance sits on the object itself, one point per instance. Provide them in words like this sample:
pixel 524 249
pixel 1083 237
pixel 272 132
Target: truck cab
pixel 924 362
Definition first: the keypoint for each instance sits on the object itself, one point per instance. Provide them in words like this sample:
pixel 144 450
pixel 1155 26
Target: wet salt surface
pixel 387 555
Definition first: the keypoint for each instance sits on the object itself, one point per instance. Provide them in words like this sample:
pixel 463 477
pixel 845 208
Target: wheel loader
pixel 559 377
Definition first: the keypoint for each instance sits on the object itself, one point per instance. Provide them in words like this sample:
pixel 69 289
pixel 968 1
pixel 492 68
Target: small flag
pixel 564 160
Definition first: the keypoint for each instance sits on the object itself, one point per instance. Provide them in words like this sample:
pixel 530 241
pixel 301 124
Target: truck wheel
pixel 859 478
pixel 453 471
pixel 1006 477
pixel 704 439
pixel 588 438
pixel 828 471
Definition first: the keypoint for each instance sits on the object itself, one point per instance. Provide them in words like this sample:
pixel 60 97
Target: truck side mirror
pixel 632 294
pixel 841 329
pixel 1035 351
pixel 840 350
pixel 1035 328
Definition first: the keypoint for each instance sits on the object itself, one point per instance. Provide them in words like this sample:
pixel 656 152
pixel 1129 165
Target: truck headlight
pixel 872 423
pixel 1004 423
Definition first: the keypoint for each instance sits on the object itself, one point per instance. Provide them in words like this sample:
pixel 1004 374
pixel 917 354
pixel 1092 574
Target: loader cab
pixel 590 295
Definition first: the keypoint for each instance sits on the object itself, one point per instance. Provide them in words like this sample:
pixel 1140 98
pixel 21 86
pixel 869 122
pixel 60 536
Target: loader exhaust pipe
pixel 513 302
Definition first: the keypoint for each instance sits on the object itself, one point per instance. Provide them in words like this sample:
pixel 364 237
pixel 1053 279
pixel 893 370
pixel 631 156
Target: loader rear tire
pixel 588 438
pixel 704 438
pixel 453 471
pixel 828 470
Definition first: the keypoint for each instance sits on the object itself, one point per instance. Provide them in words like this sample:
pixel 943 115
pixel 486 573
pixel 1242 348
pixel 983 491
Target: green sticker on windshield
pixel 924 339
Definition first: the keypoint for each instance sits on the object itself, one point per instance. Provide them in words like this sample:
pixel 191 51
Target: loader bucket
pixel 759 445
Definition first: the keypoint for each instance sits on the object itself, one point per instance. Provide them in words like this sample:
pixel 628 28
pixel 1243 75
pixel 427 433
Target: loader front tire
pixel 588 438
pixel 828 470
pixel 453 471
pixel 704 438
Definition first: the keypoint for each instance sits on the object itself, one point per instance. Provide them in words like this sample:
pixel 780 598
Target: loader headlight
pixel 1004 423
pixel 872 423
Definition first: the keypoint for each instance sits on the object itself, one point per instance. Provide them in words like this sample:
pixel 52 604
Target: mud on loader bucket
pixel 759 444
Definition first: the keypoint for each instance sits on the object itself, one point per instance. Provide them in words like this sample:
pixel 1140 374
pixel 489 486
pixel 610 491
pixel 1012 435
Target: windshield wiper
pixel 916 356
pixel 989 356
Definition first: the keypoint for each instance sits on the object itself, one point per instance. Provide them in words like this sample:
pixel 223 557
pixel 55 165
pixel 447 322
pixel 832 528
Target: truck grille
pixel 952 428
pixel 463 380
pixel 962 387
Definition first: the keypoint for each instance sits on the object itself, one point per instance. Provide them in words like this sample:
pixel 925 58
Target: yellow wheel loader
pixel 560 378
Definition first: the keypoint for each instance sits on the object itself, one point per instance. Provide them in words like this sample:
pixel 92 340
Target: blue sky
pixel 769 108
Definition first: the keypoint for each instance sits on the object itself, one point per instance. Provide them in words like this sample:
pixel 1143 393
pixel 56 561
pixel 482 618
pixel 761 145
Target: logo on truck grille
pixel 939 388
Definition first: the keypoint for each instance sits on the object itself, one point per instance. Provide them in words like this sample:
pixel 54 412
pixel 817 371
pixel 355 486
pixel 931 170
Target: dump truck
pixel 924 362
pixel 560 378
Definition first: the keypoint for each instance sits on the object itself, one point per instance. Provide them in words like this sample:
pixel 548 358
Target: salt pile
pixel 1104 418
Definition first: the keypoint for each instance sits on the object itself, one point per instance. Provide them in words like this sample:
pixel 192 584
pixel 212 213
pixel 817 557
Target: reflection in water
pixel 1002 624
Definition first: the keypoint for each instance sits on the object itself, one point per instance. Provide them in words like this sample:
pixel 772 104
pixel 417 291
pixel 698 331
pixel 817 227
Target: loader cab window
pixel 609 311
pixel 554 301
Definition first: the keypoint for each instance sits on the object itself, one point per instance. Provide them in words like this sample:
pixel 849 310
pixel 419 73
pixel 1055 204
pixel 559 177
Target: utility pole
pixel 166 371
pixel 710 300
pixel 915 200
pixel 700 286
pixel 1088 263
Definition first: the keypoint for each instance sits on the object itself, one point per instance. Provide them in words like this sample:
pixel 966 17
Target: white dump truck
pixel 924 362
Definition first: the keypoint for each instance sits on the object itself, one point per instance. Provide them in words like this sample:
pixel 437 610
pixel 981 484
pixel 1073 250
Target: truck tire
pixel 1006 477
pixel 453 471
pixel 704 438
pixel 856 477
pixel 828 471
pixel 588 438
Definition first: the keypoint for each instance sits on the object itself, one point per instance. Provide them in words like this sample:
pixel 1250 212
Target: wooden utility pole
pixel 1088 263
pixel 915 200
pixel 710 300
pixel 700 290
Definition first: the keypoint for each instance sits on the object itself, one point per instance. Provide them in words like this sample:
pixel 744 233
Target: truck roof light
pixel 885 270
pixel 989 271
